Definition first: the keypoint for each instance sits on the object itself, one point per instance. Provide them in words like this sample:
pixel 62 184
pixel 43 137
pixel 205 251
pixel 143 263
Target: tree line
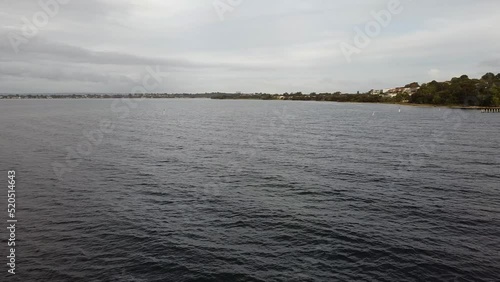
pixel 461 91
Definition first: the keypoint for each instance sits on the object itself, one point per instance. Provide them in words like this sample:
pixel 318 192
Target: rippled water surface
pixel 202 190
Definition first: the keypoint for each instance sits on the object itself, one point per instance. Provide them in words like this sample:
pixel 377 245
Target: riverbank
pixel 217 96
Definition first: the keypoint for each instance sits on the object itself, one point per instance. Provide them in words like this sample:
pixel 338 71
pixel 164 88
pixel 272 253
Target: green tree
pixel 495 96
pixel 412 85
pixel 488 78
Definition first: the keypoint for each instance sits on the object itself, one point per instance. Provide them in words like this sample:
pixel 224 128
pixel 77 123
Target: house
pixel 376 92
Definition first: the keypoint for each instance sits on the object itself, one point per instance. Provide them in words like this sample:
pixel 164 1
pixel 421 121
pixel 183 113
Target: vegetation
pixel 461 91
pixel 298 96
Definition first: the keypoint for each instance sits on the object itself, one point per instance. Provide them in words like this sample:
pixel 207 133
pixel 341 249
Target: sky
pixel 273 46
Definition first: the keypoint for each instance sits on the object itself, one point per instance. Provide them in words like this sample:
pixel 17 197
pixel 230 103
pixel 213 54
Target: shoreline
pixel 456 107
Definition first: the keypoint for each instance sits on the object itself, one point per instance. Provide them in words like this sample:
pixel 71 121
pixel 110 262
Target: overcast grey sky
pixel 258 46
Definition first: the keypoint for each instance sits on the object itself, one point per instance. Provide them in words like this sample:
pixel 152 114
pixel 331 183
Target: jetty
pixel 490 110
pixel 482 109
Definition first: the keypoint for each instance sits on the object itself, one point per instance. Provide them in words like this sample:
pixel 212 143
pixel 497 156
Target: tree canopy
pixel 461 91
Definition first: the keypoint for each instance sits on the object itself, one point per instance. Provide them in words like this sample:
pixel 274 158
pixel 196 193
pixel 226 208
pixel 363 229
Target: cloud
pixel 261 46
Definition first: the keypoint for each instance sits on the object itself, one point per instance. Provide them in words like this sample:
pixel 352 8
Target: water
pixel 202 190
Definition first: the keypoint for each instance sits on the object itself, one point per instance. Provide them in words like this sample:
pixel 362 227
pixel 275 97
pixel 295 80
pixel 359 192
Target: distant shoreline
pixel 79 97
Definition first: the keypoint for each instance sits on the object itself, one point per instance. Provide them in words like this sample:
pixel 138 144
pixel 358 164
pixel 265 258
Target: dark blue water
pixel 202 190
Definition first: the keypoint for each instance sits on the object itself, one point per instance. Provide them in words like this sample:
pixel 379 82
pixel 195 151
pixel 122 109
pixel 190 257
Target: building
pixel 376 92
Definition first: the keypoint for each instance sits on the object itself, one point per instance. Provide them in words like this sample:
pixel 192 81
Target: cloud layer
pixel 251 46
